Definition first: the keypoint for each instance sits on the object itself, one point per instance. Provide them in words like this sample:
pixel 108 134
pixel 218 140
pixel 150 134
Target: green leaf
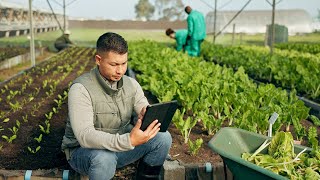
pixel 281 145
pixel 38 148
pixel 315 120
pixel 6 120
pixel 311 174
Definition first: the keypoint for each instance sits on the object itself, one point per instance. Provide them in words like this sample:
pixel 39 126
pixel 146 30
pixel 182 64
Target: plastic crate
pixel 230 143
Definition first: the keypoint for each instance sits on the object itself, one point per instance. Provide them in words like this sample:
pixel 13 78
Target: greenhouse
pixel 253 22
pixel 14 20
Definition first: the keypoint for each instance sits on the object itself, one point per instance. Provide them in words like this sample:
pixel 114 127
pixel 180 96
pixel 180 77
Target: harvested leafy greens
pixel 282 160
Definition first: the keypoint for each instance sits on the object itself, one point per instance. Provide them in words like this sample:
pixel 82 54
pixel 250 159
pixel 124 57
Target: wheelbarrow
pixel 231 142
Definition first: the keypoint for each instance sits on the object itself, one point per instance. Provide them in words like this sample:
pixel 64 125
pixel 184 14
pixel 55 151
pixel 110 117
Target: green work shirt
pixel 181 39
pixel 196 25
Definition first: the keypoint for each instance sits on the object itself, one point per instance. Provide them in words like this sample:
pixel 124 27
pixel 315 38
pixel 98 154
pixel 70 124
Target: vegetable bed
pixel 33 105
pixel 287 69
pixel 33 111
pixel 6 53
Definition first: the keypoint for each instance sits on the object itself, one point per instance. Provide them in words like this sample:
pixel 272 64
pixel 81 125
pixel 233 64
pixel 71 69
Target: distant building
pixel 255 21
pixel 14 20
pixel 316 25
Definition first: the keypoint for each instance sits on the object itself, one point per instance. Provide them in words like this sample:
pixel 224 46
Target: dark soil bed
pixel 15 156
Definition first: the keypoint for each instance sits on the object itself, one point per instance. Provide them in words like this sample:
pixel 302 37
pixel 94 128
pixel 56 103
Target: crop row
pixel 214 95
pixel 311 48
pixel 6 53
pixel 287 69
pixel 30 101
pixel 209 94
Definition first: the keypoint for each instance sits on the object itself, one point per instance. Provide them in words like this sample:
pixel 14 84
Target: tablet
pixel 162 111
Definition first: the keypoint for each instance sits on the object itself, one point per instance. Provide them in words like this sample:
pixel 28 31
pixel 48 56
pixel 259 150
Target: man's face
pixel 112 66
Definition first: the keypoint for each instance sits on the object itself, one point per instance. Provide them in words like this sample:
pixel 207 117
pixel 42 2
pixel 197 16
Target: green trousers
pixel 195 47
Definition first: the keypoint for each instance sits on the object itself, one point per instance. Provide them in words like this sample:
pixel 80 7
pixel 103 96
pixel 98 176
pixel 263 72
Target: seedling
pixel 16 106
pixel 44 84
pixel 30 99
pixel 2 114
pixel 29 81
pixel 54 110
pixel 18 123
pixel 35 107
pixel 14 130
pixel 45 129
pixel 37 90
pixel 25 118
pixel 59 102
pixel 23 87
pixel 6 120
pixel 9 139
pixel 194 147
pixel 12 94
pixel 49 115
pixel 38 139
pixel 34 151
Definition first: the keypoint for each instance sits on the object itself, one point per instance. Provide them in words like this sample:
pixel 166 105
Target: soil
pixel 7 73
pixel 16 156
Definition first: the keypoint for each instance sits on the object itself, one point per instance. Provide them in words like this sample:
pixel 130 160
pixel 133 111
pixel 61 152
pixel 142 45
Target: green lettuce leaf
pixel 281 145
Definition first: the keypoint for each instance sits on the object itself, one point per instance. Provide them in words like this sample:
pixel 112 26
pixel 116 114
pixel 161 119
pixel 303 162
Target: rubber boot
pixel 145 171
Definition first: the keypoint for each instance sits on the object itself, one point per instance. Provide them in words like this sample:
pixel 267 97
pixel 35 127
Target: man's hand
pixel 138 137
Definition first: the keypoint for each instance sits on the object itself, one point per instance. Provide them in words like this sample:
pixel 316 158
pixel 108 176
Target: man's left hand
pixel 138 137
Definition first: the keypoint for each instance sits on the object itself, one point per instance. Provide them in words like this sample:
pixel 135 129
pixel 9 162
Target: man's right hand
pixel 138 137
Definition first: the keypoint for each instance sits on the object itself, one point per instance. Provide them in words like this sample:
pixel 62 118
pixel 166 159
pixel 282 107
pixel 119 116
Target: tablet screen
pixel 162 111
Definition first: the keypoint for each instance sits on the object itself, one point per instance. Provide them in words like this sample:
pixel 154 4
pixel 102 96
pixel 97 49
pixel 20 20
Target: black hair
pixel 169 31
pixel 111 42
pixel 188 9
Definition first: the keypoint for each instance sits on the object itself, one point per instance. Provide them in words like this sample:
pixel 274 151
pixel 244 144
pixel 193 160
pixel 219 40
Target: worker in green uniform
pixel 181 39
pixel 196 30
pixel 63 41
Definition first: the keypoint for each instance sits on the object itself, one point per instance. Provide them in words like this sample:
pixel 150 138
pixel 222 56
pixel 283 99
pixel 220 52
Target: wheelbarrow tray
pixel 231 142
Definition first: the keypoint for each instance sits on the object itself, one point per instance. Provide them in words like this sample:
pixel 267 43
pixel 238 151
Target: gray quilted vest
pixel 112 109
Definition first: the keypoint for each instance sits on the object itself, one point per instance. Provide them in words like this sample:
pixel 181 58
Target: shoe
pixel 145 171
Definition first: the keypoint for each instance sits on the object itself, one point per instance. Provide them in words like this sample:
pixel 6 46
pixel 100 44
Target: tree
pixel 144 9
pixel 170 9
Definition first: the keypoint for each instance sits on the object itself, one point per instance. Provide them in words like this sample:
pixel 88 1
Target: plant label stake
pixel 272 119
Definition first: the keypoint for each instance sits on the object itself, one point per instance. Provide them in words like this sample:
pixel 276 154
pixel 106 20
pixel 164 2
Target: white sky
pixel 124 9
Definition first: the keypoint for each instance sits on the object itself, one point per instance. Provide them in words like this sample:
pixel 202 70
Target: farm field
pixel 287 68
pixel 84 37
pixel 25 101
pixel 88 37
pixel 6 74
pixel 33 104
pixel 45 100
